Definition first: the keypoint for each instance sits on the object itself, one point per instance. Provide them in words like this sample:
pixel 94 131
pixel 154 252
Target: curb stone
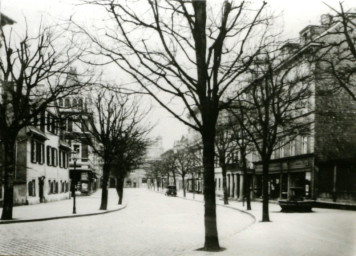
pixel 3 222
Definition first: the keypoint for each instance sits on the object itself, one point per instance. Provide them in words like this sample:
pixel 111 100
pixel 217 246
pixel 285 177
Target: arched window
pixel 75 104
pixel 80 103
pixel 67 103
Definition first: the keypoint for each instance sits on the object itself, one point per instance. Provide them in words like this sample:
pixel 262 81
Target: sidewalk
pixel 322 232
pixel 85 206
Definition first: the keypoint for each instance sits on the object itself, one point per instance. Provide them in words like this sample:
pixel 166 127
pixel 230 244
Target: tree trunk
pixel 246 183
pixel 211 231
pixel 10 163
pixel 104 191
pixel 183 183
pixel 265 214
pixel 120 188
pixel 226 196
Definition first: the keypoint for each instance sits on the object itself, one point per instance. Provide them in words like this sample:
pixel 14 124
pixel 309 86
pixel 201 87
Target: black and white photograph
pixel 177 128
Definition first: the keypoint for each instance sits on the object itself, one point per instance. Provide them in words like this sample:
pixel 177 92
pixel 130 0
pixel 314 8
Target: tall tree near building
pixel 115 116
pixel 190 53
pixel 243 143
pixel 226 149
pixel 34 71
pixel 273 103
pixel 169 163
pixel 185 160
pixel 337 53
pixel 131 154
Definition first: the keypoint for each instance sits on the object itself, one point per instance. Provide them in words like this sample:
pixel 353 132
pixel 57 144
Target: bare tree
pixel 336 55
pixel 185 50
pixel 226 148
pixel 114 117
pixel 243 143
pixel 274 101
pixel 185 162
pixel 168 159
pixel 131 154
pixel 34 73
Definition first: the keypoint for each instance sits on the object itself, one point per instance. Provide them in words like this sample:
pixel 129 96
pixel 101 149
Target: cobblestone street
pixel 152 224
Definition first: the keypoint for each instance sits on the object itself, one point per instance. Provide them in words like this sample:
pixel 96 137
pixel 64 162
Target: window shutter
pixel 33 152
pixel 48 155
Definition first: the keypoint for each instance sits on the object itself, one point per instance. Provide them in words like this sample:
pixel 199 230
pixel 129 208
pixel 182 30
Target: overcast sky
pixel 296 14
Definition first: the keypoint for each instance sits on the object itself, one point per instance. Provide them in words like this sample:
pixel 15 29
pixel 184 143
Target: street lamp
pixel 75 157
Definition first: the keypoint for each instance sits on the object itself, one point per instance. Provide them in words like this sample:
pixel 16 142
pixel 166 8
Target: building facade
pixel 42 162
pixel 85 166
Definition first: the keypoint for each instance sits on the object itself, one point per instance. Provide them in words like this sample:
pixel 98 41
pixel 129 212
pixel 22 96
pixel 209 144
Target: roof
pixel 6 20
pixel 36 132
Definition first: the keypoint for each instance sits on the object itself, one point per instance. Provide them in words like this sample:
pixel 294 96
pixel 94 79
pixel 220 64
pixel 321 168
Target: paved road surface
pixel 152 224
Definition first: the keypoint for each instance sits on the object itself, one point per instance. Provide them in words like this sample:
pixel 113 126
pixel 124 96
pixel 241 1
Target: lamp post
pixel 74 179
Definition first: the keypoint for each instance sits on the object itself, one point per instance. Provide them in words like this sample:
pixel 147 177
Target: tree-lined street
pixel 153 224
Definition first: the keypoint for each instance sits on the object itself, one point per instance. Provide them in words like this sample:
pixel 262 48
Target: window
pixel 49 158
pixel 54 157
pixel 33 151
pixel 219 183
pixel 37 152
pixel 67 103
pixel 43 121
pixel 292 148
pixel 60 102
pixel 80 103
pixel 85 151
pixel 75 104
pixel 49 187
pixel 56 187
pixel 304 144
pixel 49 121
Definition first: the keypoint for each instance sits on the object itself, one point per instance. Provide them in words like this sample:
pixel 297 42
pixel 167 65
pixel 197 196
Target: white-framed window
pixel 281 150
pixel 304 145
pixel 292 148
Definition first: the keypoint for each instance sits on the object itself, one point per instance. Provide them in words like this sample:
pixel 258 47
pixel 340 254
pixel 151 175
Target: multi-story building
pixel 321 164
pixel 41 172
pixel 85 165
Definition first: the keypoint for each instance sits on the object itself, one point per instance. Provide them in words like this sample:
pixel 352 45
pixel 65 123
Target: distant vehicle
pixel 171 191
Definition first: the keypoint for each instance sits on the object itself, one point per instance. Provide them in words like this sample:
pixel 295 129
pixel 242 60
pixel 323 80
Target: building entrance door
pixel 41 184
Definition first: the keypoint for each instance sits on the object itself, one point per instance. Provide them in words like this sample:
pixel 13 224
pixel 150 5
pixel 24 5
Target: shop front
pixel 286 175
